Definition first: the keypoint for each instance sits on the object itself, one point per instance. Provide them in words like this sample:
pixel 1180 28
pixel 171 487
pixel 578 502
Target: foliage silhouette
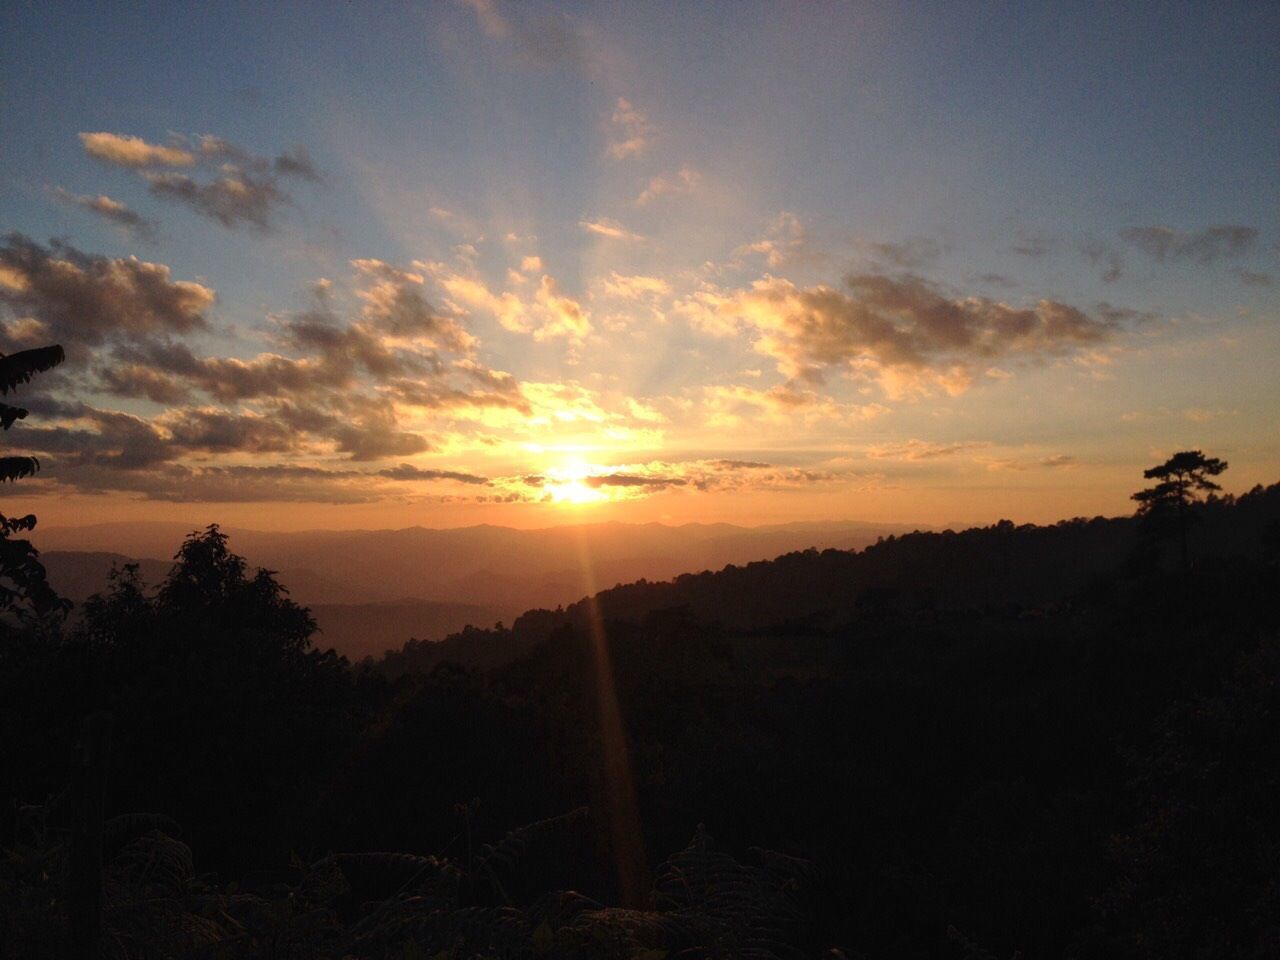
pixel 1007 737
pixel 25 593
pixel 1168 508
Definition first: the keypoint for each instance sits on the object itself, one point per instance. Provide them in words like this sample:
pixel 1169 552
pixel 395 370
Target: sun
pixel 567 484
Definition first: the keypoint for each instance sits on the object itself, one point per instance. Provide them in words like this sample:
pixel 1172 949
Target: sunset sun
pixel 569 484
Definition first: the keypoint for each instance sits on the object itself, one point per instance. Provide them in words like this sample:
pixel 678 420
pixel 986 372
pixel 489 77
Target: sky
pixel 392 264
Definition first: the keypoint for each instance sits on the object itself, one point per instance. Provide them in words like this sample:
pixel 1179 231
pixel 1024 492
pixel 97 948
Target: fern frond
pixel 9 414
pixel 15 468
pixel 502 859
pixel 20 367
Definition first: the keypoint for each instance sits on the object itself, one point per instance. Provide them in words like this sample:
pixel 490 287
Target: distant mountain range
pixel 374 589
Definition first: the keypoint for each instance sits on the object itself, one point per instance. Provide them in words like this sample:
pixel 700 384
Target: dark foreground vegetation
pixel 1054 741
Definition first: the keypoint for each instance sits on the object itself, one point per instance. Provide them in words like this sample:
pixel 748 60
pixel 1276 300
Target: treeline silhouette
pixel 1059 741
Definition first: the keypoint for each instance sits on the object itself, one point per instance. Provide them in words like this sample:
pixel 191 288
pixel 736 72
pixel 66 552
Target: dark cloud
pixel 739 465
pixel 901 322
pixel 213 430
pixel 338 387
pixel 1251 279
pixel 1107 257
pixel 296 163
pixel 136 380
pixel 236 198
pixel 996 280
pixel 238 483
pixel 633 480
pixel 544 40
pixel 1033 245
pixel 407 471
pixel 395 304
pixel 1204 246
pixel 244 189
pixel 132 222
pixel 910 254
pixel 84 299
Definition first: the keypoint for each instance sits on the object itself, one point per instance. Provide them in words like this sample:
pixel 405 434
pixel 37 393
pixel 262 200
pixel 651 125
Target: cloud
pixel 683 181
pixel 923 450
pixel 234 199
pixel 565 317
pixel 903 327
pixel 1104 255
pixel 244 190
pixel 1019 464
pixel 1251 279
pixel 140 381
pixel 550 312
pixel 407 471
pixel 606 227
pixel 395 303
pixel 1033 245
pixel 911 254
pixel 784 240
pixel 632 132
pixel 544 41
pixel 296 163
pixel 128 151
pixel 1204 246
pixel 116 212
pixel 635 287
pixel 996 280
pixel 734 406
pixel 633 480
pixel 83 299
pixel 1206 414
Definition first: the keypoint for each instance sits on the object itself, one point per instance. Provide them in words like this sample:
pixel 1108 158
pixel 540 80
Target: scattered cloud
pixel 612 229
pixel 631 132
pixel 1105 256
pixel 923 449
pixel 125 150
pixel 1252 279
pixel 784 240
pixel 548 40
pixel 996 280
pixel 233 199
pixel 1033 245
pixel 118 213
pixel 244 190
pixel 1203 246
pixel 407 471
pixel 80 299
pixel 683 181
pixel 900 331
pixel 635 287
pixel 910 254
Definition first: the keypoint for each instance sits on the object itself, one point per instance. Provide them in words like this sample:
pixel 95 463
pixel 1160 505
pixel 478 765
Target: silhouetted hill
pixel 484 565
pixel 358 630
pixel 78 575
pixel 1047 741
pixel 1022 568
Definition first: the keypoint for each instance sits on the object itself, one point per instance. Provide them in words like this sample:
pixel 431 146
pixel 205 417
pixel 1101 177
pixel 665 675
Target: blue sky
pixel 642 220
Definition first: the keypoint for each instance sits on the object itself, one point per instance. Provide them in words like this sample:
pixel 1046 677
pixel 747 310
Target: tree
pixel 24 588
pixel 1169 507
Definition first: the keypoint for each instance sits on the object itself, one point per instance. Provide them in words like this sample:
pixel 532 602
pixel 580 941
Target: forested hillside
pixel 1046 740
